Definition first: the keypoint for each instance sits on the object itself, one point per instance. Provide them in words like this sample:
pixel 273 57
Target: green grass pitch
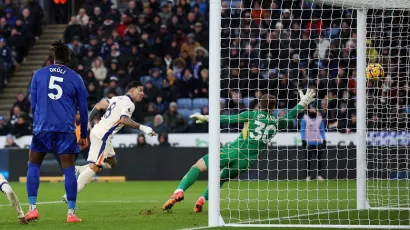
pixel 137 205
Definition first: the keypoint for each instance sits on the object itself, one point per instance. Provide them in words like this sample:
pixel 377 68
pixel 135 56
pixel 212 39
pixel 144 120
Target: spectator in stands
pixel 95 45
pixel 19 44
pixel 112 87
pixel 87 60
pixel 10 144
pixel 21 127
pixel 6 56
pixel 163 141
pixel 97 16
pixel 141 142
pixel 201 35
pixel 23 103
pixel 203 84
pixel 99 70
pixel 15 115
pixel 160 105
pixel 134 9
pixel 115 14
pixel 171 115
pixel 108 26
pixel 106 6
pixel 159 126
pixel 115 54
pixel 25 31
pixel 107 46
pixel 10 17
pixel 190 45
pixel 5 28
pixel 36 12
pixel 4 127
pixel 82 17
pixel 77 51
pixel 150 91
pixel 156 78
pixel 94 95
pixel 73 29
pixel 170 92
pixel 8 4
pixel 188 85
pixel 165 13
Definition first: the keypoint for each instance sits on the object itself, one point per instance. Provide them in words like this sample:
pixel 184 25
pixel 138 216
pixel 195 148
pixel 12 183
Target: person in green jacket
pixel 237 157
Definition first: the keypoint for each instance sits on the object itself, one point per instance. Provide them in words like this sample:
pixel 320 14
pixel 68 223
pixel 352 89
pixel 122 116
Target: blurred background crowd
pixel 274 48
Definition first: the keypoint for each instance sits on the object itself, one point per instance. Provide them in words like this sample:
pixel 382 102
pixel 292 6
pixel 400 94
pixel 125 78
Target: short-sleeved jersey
pixel 110 122
pixel 56 90
pixel 260 127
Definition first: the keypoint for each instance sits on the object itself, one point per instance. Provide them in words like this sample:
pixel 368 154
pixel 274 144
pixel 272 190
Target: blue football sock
pixel 33 182
pixel 70 183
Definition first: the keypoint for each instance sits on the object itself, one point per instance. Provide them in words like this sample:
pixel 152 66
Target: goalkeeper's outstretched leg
pixel 187 181
pixel 13 199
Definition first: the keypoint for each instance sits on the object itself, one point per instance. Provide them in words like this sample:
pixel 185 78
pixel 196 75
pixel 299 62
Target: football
pixel 374 71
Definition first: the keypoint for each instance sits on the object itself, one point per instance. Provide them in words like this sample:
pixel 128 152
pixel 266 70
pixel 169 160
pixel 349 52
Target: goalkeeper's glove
pixel 306 99
pixel 199 118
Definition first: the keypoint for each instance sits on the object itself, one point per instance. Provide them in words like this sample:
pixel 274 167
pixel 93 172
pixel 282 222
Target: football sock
pixel 224 178
pixel 84 178
pixel 13 199
pixel 189 179
pixel 70 183
pixel 32 184
pixel 82 168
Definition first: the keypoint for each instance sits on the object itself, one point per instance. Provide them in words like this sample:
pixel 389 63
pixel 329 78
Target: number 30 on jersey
pixel 257 135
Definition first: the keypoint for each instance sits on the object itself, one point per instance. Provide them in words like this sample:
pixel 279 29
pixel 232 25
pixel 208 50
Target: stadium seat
pixel 185 113
pixel 247 101
pixel 184 103
pixel 199 103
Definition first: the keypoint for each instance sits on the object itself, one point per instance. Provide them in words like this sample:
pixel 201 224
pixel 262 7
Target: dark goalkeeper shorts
pixel 44 142
pixel 232 159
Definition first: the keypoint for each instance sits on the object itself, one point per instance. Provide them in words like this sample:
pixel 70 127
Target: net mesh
pixel 279 47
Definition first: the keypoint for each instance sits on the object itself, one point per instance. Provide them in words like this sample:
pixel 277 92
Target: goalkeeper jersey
pixel 260 127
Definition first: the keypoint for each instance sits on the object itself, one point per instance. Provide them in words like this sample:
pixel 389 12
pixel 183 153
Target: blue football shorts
pixel 45 142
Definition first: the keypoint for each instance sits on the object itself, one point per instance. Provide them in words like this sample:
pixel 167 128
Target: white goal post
pixel 371 195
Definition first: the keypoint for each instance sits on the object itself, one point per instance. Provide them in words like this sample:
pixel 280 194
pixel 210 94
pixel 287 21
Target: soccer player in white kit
pixel 12 197
pixel 118 111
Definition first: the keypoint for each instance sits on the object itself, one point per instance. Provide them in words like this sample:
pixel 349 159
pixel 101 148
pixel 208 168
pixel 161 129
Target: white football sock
pixel 84 178
pixel 178 190
pixel 82 168
pixel 13 199
pixel 71 211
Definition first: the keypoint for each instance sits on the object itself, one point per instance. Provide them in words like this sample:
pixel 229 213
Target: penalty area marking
pixel 84 201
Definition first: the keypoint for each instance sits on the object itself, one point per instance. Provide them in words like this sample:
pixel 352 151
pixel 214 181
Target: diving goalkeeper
pixel 237 157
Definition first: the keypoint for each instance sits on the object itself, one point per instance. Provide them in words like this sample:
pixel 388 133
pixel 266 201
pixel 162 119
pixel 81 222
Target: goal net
pixel 360 177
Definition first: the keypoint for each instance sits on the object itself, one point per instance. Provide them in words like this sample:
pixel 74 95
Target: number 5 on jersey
pixel 53 85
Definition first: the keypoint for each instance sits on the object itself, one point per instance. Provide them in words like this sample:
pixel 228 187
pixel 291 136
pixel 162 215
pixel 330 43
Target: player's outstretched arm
pixel 237 118
pixel 126 121
pixel 305 100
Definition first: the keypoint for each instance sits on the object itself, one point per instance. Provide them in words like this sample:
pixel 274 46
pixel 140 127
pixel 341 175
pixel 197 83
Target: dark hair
pixel 133 84
pixel 61 52
pixel 267 102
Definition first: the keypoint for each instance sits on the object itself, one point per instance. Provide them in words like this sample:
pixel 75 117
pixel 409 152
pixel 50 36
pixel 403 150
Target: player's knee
pixel 201 165
pixel 94 167
pixel 112 161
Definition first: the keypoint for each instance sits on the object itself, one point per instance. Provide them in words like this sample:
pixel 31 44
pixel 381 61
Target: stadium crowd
pixel 274 49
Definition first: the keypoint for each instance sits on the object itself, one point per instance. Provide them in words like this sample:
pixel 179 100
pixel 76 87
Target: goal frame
pixel 214 217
